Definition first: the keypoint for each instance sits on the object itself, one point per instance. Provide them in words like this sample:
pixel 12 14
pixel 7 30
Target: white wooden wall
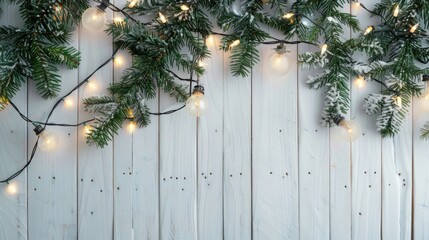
pixel 257 166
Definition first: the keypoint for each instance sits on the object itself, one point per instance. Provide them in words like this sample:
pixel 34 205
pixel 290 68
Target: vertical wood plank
pixel 52 204
pixel 313 160
pixel 210 148
pixel 122 156
pixel 13 154
pixel 237 155
pixel 95 166
pixel 366 155
pixel 340 175
pixel 178 173
pixel 275 147
pixel 420 179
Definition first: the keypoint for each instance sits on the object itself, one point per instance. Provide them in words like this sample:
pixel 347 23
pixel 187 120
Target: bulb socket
pixel 198 89
pixel 38 129
pixel 281 49
pixel 103 5
pixel 425 78
pixel 338 119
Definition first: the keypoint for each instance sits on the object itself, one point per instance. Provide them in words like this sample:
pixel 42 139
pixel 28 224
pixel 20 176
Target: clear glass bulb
pixel 279 63
pixel 197 102
pixel 350 130
pixel 94 19
pixel 48 141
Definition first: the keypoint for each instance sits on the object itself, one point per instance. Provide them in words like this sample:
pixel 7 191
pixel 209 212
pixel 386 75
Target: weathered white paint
pixel 258 165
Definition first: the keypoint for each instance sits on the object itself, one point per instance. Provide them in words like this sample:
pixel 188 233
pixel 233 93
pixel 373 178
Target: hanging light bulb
pixel 132 127
pixel 357 4
pixel 68 102
pixel 350 130
pixel 279 62
pixel 48 141
pixel 396 11
pixel 414 28
pixel 324 49
pixel 118 20
pixel 360 82
pixel 12 188
pixel 94 18
pixel 210 41
pixel 88 129
pixel 369 30
pixel 162 18
pixel 235 43
pixel 197 103
pixel 426 94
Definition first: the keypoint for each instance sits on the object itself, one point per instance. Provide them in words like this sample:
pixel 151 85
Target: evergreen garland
pixel 35 50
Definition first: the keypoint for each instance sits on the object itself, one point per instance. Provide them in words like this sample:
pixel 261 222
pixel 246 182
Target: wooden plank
pixel 237 155
pixel 313 160
pixel 95 166
pixel 52 204
pixel 275 146
pixel 122 156
pixel 366 156
pixel 177 173
pixel 420 181
pixel 13 154
pixel 340 176
pixel 210 148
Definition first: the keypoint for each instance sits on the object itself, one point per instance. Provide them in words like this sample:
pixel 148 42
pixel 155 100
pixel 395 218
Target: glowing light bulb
pixel 357 4
pixel 235 43
pixel 48 141
pixel 197 103
pixel 210 41
pixel 396 11
pixel 414 28
pixel 93 85
pixel 369 30
pixel 184 7
pixel 88 129
pixel 132 3
pixel 118 61
pixel 12 188
pixel 162 18
pixel 288 15
pixel 201 63
pixel 68 102
pixel 324 49
pixel 132 127
pixel 58 8
pixel 279 61
pixel 94 19
pixel 350 130
pixel 118 20
pixel 398 101
pixel 130 113
pixel 360 82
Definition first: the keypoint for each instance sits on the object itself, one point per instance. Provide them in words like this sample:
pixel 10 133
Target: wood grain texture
pixel 210 148
pixel 313 161
pixel 95 166
pixel 237 155
pixel 366 156
pixel 275 147
pixel 13 154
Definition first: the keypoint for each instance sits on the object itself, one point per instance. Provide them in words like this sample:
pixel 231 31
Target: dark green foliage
pixel 425 131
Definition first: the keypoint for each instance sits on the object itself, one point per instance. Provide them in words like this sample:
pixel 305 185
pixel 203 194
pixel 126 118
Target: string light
pixel 398 101
pixel 132 127
pixel 414 28
pixel 48 141
pixel 360 82
pixel 68 102
pixel 130 113
pixel 118 61
pixel 12 188
pixel 132 3
pixel 279 61
pixel 196 103
pixel 118 20
pixel 88 129
pixel 324 49
pixel 396 11
pixel 93 85
pixel 288 15
pixel 184 7
pixel 357 4
pixel 94 18
pixel 210 41
pixel 162 18
pixel 350 130
pixel 235 43
pixel 369 30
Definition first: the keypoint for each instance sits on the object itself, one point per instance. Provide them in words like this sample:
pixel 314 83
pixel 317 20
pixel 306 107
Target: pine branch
pixel 425 132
